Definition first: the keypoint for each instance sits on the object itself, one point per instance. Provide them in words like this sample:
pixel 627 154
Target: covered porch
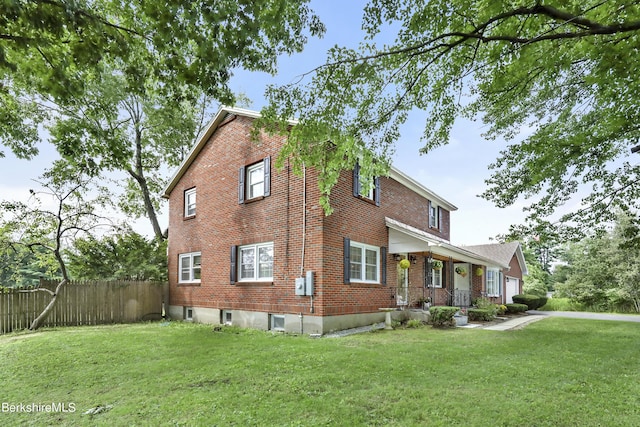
pixel 439 272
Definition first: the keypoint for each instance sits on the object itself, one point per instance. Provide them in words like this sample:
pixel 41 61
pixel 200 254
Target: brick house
pixel 249 244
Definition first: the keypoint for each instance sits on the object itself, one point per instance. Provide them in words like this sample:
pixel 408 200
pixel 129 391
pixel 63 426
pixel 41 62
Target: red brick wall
pixel 221 222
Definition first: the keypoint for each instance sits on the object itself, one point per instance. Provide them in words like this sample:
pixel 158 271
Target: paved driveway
pixel 586 315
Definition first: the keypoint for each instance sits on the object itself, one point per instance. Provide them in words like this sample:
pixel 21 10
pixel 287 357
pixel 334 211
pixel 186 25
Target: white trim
pixel 412 184
pixel 435 217
pixel 248 183
pixel 187 194
pixel 495 283
pixel 363 262
pixel 256 262
pixel 191 267
pixel 433 276
pixel 405 238
pixel 203 138
pixel 221 115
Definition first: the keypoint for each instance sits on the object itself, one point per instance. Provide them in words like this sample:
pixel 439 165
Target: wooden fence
pixel 84 303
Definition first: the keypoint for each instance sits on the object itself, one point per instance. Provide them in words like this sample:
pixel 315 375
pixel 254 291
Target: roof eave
pixel 412 184
pixel 204 137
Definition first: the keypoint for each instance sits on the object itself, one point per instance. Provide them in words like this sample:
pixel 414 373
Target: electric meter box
pixel 309 284
pixel 300 286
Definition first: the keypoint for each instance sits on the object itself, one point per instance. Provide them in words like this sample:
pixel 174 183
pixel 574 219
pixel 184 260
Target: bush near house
pixel 442 316
pixel 532 301
pixel 481 314
pixel 516 308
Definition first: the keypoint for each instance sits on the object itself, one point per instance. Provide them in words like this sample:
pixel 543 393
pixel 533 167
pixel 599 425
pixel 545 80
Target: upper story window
pixel 254 181
pixel 190 202
pixel 493 282
pixel 362 191
pixel 190 267
pixel 434 215
pixel 256 262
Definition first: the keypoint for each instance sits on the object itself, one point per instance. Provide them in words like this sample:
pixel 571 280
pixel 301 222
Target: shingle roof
pixel 502 252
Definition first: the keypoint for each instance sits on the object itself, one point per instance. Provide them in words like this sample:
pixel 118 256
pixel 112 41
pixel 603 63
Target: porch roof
pixel 404 238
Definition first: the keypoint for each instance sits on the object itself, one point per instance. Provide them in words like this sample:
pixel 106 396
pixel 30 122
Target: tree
pixel 604 271
pixel 49 229
pixel 51 48
pixel 567 70
pixel 112 128
pixel 20 266
pixel 123 255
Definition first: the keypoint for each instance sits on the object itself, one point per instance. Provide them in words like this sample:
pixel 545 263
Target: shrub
pixel 486 304
pixel 502 309
pixel 481 314
pixel 414 323
pixel 516 308
pixel 442 316
pixel 532 301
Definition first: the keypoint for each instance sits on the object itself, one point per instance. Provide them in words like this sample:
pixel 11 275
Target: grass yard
pixel 555 372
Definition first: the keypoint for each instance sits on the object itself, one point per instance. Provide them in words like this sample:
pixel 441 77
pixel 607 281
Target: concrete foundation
pixel 293 323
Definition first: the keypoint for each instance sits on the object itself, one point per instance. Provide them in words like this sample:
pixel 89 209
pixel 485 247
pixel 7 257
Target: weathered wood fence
pixel 84 303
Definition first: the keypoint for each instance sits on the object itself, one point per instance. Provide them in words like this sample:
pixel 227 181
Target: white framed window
pixel 189 268
pixel 277 322
pixel 226 317
pixel 493 282
pixel 190 202
pixel 436 278
pixel 434 219
pixel 256 262
pixel 364 263
pixel 255 181
pixel 188 313
pixel 361 190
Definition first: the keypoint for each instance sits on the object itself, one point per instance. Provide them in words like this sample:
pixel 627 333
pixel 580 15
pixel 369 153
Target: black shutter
pixel 241 185
pixel 356 180
pixel 440 218
pixel 347 259
pixel 267 176
pixel 383 265
pixel 376 193
pixel 234 265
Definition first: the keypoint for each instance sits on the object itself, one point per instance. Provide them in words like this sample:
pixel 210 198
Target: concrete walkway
pixel 535 315
pixel 516 322
pixel 587 315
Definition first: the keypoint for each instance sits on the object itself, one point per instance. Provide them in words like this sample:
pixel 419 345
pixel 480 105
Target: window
pixel 189 265
pixel 436 278
pixel 188 313
pixel 493 282
pixel 360 190
pixel 254 181
pixel 277 322
pixel 434 216
pixel 225 317
pixel 256 262
pixel 190 202
pixel 364 261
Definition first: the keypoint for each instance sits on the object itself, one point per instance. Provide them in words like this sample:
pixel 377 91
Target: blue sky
pixel 456 171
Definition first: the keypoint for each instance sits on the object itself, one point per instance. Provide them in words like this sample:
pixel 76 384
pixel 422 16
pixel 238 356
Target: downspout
pixel 304 231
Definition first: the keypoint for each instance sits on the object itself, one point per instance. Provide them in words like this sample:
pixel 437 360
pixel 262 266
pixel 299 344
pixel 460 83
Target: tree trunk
pixel 38 321
pixel 138 175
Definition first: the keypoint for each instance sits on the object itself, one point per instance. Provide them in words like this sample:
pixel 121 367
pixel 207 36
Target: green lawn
pixel 556 372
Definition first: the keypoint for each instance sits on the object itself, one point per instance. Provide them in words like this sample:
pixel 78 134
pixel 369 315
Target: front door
pixel 512 289
pixel 461 284
pixel 402 293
